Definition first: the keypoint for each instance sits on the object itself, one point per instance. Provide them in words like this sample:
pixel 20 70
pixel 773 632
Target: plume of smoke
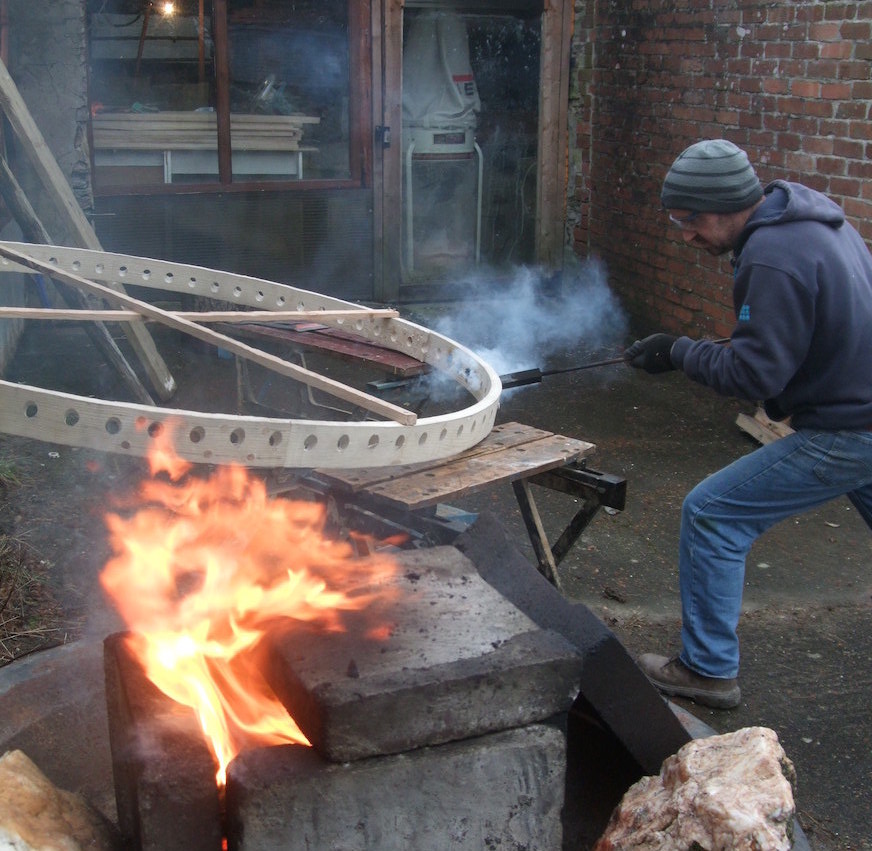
pixel 527 321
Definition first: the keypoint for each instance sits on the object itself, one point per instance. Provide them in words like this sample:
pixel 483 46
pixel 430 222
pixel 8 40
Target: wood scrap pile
pixel 761 428
pixel 150 131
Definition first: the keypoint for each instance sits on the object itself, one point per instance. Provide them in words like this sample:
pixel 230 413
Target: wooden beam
pixel 201 42
pixel 555 48
pixel 388 184
pixel 282 367
pixel 222 89
pixel 360 95
pixel 58 190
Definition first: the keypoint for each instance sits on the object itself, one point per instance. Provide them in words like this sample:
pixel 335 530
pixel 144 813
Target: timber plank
pixel 321 337
pixel 761 428
pixel 499 438
pixel 197 131
pixel 463 475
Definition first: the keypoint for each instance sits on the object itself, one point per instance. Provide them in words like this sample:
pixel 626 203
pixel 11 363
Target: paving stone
pixel 457 660
pixel 500 791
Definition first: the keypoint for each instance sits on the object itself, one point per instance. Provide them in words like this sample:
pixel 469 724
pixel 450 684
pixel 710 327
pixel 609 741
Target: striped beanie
pixel 712 176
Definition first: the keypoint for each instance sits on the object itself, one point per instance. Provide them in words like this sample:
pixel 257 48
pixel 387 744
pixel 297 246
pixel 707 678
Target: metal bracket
pixel 383 135
pixel 596 489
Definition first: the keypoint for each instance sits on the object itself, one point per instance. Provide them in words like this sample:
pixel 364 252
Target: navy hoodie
pixel 802 293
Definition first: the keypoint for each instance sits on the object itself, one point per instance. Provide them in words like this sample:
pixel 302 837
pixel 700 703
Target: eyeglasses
pixel 685 221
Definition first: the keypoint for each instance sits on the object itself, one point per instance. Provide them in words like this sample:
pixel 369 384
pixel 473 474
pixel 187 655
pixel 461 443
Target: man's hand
pixel 652 353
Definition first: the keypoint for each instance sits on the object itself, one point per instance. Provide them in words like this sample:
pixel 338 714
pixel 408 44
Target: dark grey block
pixel 459 660
pixel 504 790
pixel 164 772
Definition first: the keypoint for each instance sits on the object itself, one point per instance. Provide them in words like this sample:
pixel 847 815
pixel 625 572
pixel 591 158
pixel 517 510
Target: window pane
pixel 289 87
pixel 154 91
pixel 152 88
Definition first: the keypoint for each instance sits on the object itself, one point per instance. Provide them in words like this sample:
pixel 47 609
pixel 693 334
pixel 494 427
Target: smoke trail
pixel 526 322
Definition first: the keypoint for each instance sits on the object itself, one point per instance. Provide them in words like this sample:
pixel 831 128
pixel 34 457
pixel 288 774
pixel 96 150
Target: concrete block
pixel 612 686
pixel 456 660
pixel 503 790
pixel 164 772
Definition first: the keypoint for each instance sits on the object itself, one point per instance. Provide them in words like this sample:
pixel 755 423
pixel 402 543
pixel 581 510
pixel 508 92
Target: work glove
pixel 652 353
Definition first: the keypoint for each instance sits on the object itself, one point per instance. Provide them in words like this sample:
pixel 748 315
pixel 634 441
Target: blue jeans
pixel 725 513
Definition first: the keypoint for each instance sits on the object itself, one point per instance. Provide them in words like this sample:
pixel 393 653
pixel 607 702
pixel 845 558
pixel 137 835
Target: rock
pixel 37 816
pixel 733 791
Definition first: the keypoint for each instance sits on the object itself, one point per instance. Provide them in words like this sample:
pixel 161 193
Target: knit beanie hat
pixel 712 176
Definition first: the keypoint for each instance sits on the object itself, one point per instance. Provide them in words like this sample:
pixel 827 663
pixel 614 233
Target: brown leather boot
pixel 673 677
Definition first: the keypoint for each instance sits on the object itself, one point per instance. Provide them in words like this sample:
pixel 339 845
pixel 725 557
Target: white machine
pixel 440 106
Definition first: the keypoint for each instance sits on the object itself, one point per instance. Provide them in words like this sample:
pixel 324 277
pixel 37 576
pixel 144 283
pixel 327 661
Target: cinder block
pixel 164 772
pixel 503 790
pixel 458 660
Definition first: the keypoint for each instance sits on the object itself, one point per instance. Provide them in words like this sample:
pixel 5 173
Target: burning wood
pixel 203 567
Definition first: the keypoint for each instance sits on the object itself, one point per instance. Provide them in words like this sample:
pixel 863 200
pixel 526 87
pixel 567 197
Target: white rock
pixel 733 791
pixel 37 816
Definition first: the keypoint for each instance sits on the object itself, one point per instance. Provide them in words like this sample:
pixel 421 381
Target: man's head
pixel 710 191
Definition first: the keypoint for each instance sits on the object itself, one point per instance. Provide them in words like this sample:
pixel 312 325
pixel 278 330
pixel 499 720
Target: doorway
pixel 473 179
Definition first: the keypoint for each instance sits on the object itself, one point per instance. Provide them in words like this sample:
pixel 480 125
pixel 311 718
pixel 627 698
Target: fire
pixel 202 568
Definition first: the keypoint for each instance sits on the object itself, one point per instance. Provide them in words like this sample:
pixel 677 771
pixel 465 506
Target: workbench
pixel 414 497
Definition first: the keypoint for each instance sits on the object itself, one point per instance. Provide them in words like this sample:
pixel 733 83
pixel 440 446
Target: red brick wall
pixel 790 83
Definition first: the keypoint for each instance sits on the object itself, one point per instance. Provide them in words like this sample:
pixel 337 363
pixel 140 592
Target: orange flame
pixel 200 572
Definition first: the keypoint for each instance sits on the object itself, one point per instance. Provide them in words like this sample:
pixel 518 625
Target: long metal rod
pixel 535 376
pixel 607 362
pixel 592 365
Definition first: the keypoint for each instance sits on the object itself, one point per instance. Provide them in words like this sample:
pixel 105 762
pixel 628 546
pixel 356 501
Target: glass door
pixel 470 129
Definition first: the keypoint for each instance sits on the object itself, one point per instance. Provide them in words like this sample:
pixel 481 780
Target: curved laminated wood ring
pixel 130 428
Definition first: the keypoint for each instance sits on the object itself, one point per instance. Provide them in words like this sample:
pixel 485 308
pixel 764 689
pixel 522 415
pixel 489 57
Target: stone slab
pixel 612 685
pixel 503 790
pixel 456 660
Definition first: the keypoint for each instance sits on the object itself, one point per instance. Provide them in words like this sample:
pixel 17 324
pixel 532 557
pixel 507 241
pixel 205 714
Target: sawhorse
pixel 407 498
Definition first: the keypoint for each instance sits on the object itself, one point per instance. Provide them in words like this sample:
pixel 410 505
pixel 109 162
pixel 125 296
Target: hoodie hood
pixel 791 202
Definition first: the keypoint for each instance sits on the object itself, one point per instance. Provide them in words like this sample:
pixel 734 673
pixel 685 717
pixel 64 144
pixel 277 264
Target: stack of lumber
pixel 197 131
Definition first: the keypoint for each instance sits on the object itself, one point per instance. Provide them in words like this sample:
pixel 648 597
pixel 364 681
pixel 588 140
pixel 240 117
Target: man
pixel 802 344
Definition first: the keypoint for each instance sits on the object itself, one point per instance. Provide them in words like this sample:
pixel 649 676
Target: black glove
pixel 652 353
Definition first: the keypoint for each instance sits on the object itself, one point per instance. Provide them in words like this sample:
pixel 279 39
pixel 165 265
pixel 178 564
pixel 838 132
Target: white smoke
pixel 528 321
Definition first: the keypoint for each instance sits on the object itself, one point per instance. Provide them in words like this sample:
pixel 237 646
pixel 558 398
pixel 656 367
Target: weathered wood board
pixel 504 456
pixel 337 342
pixel 761 428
